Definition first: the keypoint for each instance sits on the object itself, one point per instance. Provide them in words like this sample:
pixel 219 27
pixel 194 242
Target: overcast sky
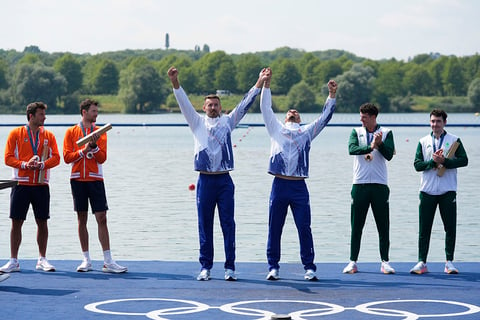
pixel 375 29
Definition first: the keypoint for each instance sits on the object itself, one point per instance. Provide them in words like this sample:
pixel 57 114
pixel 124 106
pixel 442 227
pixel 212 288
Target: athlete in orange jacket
pixel 31 151
pixel 87 160
pixel 28 165
pixel 86 181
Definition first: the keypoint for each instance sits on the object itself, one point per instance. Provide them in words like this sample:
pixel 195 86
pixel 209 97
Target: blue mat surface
pixel 168 290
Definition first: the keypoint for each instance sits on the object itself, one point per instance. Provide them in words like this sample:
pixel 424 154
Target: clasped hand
pixel 34 163
pixel 438 157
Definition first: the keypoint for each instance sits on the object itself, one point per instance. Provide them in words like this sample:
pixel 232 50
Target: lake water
pixel 152 212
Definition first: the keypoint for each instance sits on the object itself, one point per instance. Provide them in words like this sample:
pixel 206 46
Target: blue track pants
pixel 293 193
pixel 216 190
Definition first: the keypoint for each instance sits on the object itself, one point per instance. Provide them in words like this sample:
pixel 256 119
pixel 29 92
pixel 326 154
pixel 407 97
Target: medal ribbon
pixel 440 143
pixel 370 135
pixel 83 129
pixel 33 142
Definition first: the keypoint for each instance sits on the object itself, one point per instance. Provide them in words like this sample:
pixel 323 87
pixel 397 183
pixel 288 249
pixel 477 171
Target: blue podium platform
pixel 169 290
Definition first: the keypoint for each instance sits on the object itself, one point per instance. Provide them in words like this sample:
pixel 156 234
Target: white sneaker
pixel 85 266
pixel 114 268
pixel 450 268
pixel 204 275
pixel 419 268
pixel 310 275
pixel 43 264
pixel 10 266
pixel 4 276
pixel 273 275
pixel 386 268
pixel 230 275
pixel 351 268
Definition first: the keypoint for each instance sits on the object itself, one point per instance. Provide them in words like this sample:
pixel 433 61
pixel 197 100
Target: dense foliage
pixel 137 79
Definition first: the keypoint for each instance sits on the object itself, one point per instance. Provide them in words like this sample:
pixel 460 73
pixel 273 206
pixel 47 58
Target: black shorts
pixel 82 191
pixel 22 196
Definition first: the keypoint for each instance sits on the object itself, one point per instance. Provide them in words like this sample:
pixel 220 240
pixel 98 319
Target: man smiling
pixel 438 189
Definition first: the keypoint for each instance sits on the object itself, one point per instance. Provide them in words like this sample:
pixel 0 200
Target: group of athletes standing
pixel 32 151
pixel 371 145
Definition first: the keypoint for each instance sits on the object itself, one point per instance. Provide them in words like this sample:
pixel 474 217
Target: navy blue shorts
pixel 82 191
pixel 22 196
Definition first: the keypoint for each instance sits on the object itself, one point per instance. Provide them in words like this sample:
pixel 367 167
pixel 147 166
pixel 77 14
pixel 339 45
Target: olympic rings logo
pixel 242 308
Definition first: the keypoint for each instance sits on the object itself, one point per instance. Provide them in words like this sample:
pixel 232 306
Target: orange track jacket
pixel 19 151
pixel 84 169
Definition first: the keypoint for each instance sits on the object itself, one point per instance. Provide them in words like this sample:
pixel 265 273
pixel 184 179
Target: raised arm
pixel 188 111
pixel 242 108
pixel 173 75
pixel 328 109
pixel 271 122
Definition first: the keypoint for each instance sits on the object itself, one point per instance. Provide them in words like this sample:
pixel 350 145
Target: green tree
pixel 436 69
pixel 306 66
pixel 189 79
pixel 39 83
pixel 423 58
pixel 474 93
pixel 31 49
pixel 248 68
pixel 471 67
pixel 71 69
pixel 142 90
pixel 106 78
pixel 3 74
pixel 401 103
pixel 326 71
pixel 30 58
pixel 453 78
pixel 355 88
pixel 184 64
pixel 177 60
pixel 215 70
pixel 300 97
pixel 417 80
pixel 101 75
pixel 388 83
pixel 285 75
pixel 5 96
pixel 225 75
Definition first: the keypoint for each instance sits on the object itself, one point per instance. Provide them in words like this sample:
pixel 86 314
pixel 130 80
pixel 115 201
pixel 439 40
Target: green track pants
pixel 447 203
pixel 364 196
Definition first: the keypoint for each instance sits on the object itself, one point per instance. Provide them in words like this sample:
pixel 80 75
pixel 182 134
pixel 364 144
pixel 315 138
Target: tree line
pixel 137 78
